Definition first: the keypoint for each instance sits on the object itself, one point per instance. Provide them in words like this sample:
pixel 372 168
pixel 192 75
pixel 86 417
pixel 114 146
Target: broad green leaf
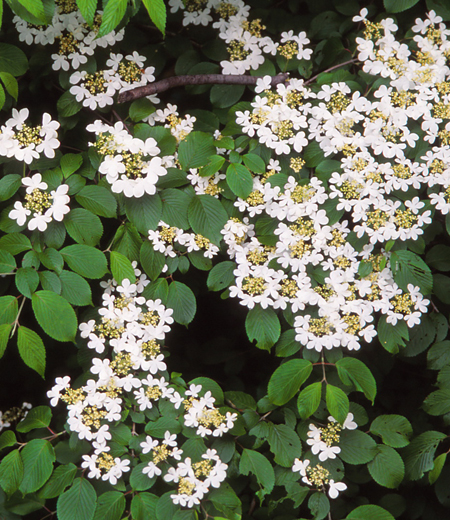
pixel 152 261
pixel 254 163
pixel 440 7
pixel 419 454
pixel 221 276
pixel 211 386
pixel 284 444
pixel 319 505
pixel 215 162
pixel 255 463
pixel 112 15
pixel 10 83
pixel 353 371
pixel 397 6
pixel 439 355
pixel 8 309
pixel 128 241
pixel 15 243
pixel 52 259
pixel 439 463
pixel 83 226
pixel 27 281
pixel 78 502
pixel 61 478
pixel 140 109
pixel 9 184
pixel 240 180
pixel 110 506
pixel 263 326
pixel 182 300
pixel 337 403
pixel 240 400
pixel 195 150
pixel 35 7
pixel 70 163
pixel 5 331
pixel 87 261
pixel 438 402
pixel 157 12
pixel 121 268
pixel 68 106
pixel 159 289
pixel 420 337
pixel 165 508
pixel 224 96
pixel 38 457
pixel 11 472
pixel 356 447
pixel 12 60
pixel 207 217
pixel 390 336
pixel 395 430
pixel 369 512
pixel 144 212
pixel 287 345
pixel 7 262
pixel 87 9
pixel 50 281
pixel 55 315
pixel 287 380
pixel 175 207
pixel 309 399
pixel 37 417
pixel 140 481
pixel 408 268
pixel 75 289
pixel 441 287
pixel 143 506
pixel 387 468
pixel 7 439
pixel 31 349
pixel 97 199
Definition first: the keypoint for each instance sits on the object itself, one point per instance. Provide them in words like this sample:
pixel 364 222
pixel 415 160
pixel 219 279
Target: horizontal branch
pixel 197 79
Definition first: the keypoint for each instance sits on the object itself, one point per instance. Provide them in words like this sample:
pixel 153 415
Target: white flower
pixel 335 488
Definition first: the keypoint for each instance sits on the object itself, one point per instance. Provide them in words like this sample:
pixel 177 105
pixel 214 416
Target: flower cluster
pixel 133 376
pixel 42 206
pixel 125 160
pixel 75 40
pixel 323 442
pixel 14 414
pixel 26 143
pixel 179 127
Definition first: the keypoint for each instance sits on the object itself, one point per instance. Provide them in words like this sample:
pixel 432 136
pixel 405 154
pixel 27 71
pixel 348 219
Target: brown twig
pixel 197 79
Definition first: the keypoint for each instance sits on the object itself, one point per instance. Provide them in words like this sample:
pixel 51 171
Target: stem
pixel 353 60
pixel 197 79
pixel 323 369
pixel 16 321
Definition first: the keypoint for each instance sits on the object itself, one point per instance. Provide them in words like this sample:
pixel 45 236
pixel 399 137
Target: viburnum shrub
pixel 293 157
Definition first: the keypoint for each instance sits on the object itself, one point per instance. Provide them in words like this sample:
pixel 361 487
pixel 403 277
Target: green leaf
pixel 159 427
pixel 83 226
pixel 77 503
pixel 37 417
pixel 255 463
pixel 50 281
pixel 67 105
pixel 75 289
pixel 309 399
pixel 221 276
pixel 441 287
pixel 356 447
pixel 112 15
pixel 152 261
pixel 395 430
pixel 287 380
pixel 38 457
pixel 140 481
pixel 52 259
pixel 440 7
pixel 87 261
pixel 7 439
pixel 121 268
pixel 5 330
pixel 35 7
pixel 224 96
pixel 241 400
pixel 439 463
pixel 369 512
pixel 195 150
pixel 7 262
pixel 240 180
pixel 140 109
pixel 397 6
pixel 438 402
pixel 31 349
pixel 419 455
pixel 207 217
pixel 337 403
pixel 438 257
pixel 145 212
pixel 215 162
pixel 157 12
pixel 390 336
pixel 175 208
pixel 165 508
pixel 61 478
pixel 88 8
pixel 8 309
pixel 284 444
pixel 15 243
pixel 182 300
pixel 408 268
pixel 9 184
pixel 353 371
pixel 211 386
pixel 70 163
pixel 11 472
pixel 387 468
pixel 319 505
pixel 12 60
pixel 110 506
pixel 264 326
pixel 254 163
pixel 10 83
pixel 55 315
pixel 97 199
pixel 143 506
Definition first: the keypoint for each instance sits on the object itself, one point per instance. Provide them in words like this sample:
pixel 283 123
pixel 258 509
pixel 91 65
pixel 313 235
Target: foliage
pixel 235 306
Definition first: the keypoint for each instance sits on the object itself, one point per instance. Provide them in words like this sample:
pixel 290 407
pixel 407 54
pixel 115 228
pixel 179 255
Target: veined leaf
pixel 287 379
pixel 55 315
pixel 157 12
pixel 112 16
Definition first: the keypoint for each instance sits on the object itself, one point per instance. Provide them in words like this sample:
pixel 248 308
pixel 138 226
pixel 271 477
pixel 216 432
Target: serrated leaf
pixel 140 481
pixel 337 403
pixel 67 105
pixel 391 337
pixel 287 379
pixel 387 468
pixel 75 289
pixel 254 163
pixel 157 12
pixel 319 505
pixel 397 6
pixel 110 506
pixel 395 430
pixel 240 180
pixel 7 439
pixel 144 212
pixel 83 226
pixel 7 262
pixel 61 478
pixel 438 402
pixel 221 276
pixel 55 315
pixel 175 207
pixel 27 281
pixel 263 326
pixel 10 83
pixel 353 371
pixel 207 217
pixel 37 417
pixel 284 444
pixel 31 349
pixel 182 300
pixel 309 399
pixel 5 330
pixel 97 199
pixel 38 457
pixel 408 268
pixel 152 261
pixel 121 268
pixel 8 309
pixel 195 150
pixel 369 512
pixel 35 7
pixel 255 463
pixel 78 502
pixel 215 162
pixel 12 60
pixel 11 472
pixel 87 261
pixel 87 9
pixel 14 243
pixel 356 447
pixel 439 463
pixel 113 13
pixel 419 454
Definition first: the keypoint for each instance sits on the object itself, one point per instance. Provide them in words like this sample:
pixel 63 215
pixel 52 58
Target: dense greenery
pixel 224 259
